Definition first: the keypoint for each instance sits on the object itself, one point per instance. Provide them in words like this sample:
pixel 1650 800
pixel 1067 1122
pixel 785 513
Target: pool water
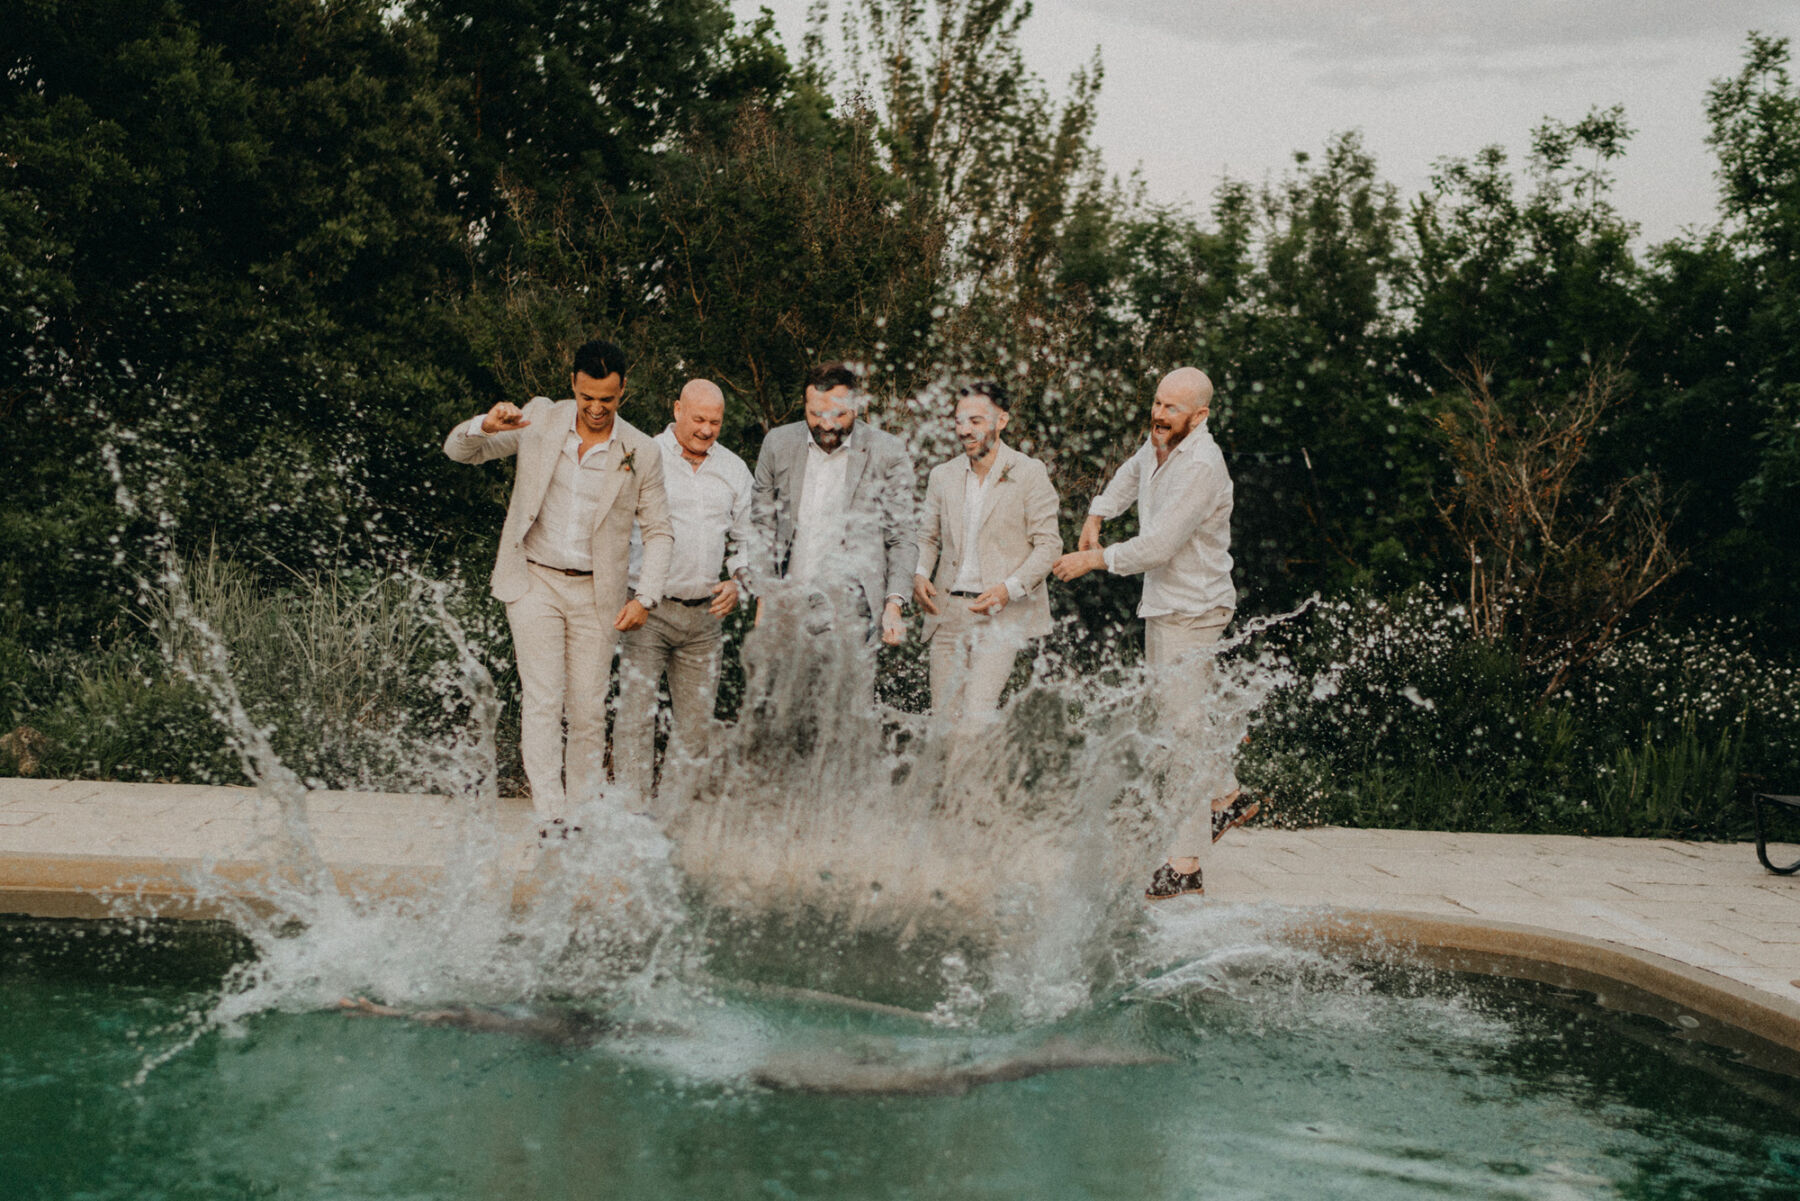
pixel 1271 1073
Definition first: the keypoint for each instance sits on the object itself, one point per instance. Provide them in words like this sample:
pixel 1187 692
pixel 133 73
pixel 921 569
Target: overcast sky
pixel 1198 89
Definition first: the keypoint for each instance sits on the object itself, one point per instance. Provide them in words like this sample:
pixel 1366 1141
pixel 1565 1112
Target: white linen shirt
pixel 560 536
pixel 1184 522
pixel 819 522
pixel 709 505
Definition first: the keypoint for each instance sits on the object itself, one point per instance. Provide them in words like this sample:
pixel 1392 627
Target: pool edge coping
pixel 1492 947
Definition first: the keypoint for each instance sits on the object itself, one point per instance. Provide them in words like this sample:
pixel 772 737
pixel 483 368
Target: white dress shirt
pixel 560 537
pixel 819 522
pixel 709 505
pixel 1184 522
pixel 969 574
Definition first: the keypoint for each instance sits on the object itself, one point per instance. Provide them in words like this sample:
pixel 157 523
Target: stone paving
pixel 1709 906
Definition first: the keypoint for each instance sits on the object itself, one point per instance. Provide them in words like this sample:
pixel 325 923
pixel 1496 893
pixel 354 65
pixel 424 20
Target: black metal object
pixel 1789 803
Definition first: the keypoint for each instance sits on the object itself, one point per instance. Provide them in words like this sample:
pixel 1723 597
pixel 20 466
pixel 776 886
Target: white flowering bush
pixel 1400 716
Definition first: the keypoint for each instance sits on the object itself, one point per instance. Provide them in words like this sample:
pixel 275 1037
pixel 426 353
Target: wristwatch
pixel 648 602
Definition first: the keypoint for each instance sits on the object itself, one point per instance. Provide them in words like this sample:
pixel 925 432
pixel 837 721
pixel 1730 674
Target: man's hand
pixel 1090 535
pixel 991 601
pixel 502 417
pixel 925 594
pixel 631 616
pixel 893 626
pixel 725 598
pixel 1076 564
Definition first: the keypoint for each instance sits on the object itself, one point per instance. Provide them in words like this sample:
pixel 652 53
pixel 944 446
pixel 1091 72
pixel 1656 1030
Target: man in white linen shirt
pixel 585 478
pixel 1183 493
pixel 709 504
pixel 990 534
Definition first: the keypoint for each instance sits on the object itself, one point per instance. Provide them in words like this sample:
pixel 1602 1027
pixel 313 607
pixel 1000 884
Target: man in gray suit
pixel 585 476
pixel 990 535
pixel 832 511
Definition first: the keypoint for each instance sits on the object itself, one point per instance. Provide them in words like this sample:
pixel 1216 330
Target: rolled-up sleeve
pixel 1120 493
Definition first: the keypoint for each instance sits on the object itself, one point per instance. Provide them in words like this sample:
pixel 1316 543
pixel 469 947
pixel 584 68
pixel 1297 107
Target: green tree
pixel 222 241
pixel 1724 426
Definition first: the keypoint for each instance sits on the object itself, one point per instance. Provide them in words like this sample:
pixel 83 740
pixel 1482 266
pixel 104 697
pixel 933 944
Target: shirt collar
pixel 576 433
pixel 668 439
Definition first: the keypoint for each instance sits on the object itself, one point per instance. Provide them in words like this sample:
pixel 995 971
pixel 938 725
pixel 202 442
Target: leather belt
pixel 693 603
pixel 559 570
pixel 970 595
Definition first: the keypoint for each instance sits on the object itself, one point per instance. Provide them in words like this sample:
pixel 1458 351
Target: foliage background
pixel 256 259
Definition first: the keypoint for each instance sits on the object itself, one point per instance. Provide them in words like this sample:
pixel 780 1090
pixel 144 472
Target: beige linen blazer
pixel 633 494
pixel 1018 537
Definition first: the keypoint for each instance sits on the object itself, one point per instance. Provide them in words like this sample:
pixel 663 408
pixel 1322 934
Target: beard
pixel 981 447
pixel 828 438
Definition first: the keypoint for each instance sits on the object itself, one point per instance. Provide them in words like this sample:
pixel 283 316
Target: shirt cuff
pixel 1014 588
pixel 894 598
pixel 922 569
pixel 474 429
pixel 1107 554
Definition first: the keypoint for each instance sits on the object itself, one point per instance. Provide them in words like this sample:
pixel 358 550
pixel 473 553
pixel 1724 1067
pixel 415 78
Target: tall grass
pixel 351 677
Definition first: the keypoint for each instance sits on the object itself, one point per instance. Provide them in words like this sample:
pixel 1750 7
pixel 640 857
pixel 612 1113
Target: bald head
pixel 1189 382
pixel 699 414
pixel 1183 399
pixel 704 391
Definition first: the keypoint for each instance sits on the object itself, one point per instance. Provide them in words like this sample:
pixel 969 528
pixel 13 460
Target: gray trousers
pixel 683 642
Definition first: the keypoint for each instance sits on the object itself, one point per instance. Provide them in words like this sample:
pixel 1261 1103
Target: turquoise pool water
pixel 1260 1072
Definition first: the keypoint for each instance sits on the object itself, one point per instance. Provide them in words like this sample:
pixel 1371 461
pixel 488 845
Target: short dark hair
pixel 827 376
pixel 993 389
pixel 600 359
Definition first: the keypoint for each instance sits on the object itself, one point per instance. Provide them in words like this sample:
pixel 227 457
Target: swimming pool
pixel 1217 1068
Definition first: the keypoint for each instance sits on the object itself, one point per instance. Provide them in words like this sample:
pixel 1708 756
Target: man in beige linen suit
pixel 989 534
pixel 584 477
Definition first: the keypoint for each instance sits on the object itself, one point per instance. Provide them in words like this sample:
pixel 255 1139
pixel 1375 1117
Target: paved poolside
pixel 67 846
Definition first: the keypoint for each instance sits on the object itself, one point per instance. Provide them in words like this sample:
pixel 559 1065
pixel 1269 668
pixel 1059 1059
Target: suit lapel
pixel 954 491
pixel 614 471
pixel 996 490
pixel 853 470
pixel 793 488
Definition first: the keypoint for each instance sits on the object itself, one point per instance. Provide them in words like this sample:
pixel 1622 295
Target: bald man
pixel 1182 491
pixel 709 504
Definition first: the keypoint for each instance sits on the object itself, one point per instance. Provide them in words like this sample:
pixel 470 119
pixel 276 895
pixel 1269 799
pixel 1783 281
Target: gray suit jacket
pixel 636 495
pixel 1018 537
pixel 878 508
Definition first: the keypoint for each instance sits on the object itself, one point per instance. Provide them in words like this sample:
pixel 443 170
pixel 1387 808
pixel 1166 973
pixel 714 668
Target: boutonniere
pixel 629 462
pixel 1006 473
